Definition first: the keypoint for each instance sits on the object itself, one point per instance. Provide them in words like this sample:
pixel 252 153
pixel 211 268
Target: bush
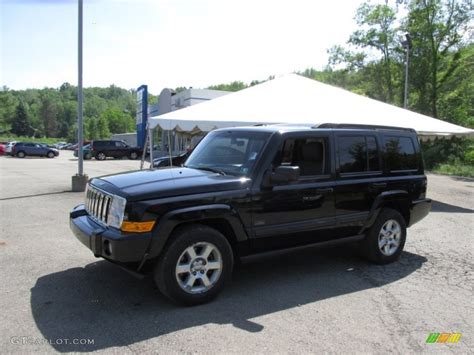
pixel 447 151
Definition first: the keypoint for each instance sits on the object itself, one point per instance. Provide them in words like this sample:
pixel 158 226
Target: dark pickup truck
pixel 245 191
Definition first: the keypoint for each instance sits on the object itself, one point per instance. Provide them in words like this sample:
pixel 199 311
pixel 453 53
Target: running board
pixel 328 243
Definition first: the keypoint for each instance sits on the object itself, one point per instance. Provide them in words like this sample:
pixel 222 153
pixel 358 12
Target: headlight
pixel 116 212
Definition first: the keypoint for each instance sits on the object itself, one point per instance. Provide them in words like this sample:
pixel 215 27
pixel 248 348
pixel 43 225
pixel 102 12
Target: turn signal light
pixel 137 227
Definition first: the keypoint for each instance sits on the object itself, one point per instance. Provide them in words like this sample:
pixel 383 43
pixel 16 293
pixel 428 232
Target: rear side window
pixel 400 153
pixel 358 154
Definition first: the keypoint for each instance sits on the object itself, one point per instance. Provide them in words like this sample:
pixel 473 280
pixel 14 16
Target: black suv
pixel 245 191
pixel 101 149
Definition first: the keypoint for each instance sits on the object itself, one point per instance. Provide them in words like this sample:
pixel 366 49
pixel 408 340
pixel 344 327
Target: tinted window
pixel 358 154
pixel 231 152
pixel 400 153
pixel 309 154
pixel 119 144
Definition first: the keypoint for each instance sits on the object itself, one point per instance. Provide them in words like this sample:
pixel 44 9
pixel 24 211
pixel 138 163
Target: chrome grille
pixel 98 204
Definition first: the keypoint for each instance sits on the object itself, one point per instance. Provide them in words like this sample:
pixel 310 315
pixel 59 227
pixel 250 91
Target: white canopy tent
pixel 299 100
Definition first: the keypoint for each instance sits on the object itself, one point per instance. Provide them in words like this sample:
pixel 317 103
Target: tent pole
pixel 142 162
pixel 169 148
pixel 150 137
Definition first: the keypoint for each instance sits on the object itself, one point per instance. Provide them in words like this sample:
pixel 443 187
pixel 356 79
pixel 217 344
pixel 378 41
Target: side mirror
pixel 283 174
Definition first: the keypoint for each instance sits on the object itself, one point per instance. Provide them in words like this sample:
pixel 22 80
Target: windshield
pixel 228 152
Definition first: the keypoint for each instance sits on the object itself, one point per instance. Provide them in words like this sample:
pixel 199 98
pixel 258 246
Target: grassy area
pixel 9 138
pixel 455 169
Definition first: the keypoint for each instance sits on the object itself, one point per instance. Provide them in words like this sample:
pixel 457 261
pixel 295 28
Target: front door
pixel 288 214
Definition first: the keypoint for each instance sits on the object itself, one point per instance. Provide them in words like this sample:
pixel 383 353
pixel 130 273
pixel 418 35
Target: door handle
pixel 379 184
pixel 325 190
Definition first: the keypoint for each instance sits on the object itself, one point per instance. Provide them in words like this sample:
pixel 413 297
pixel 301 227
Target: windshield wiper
pixel 207 168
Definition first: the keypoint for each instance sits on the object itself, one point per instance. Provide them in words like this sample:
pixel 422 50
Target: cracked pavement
pixel 325 300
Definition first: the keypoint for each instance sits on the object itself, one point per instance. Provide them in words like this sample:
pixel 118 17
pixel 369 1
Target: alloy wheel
pixel 199 268
pixel 390 237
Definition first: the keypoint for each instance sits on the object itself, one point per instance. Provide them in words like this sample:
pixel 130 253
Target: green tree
pixel 234 86
pixel 118 120
pixel 103 128
pixel 377 36
pixel 91 129
pixel 48 113
pixel 20 124
pixel 8 108
pixel 439 29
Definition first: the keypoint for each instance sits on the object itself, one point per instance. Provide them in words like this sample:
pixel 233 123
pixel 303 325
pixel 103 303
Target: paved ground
pixel 313 301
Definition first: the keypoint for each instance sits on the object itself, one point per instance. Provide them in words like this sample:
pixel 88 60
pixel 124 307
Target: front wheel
pixel 133 155
pixel 385 240
pixel 50 155
pixel 194 267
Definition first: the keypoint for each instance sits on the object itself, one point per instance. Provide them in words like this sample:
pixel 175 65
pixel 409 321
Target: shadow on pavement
pixel 445 207
pixel 103 303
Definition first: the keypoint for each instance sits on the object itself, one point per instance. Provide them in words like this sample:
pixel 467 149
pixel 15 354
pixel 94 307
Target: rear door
pixel 359 178
pixel 299 212
pixel 121 149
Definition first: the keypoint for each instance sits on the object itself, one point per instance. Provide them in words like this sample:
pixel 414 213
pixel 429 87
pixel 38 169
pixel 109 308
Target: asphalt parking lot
pixel 54 292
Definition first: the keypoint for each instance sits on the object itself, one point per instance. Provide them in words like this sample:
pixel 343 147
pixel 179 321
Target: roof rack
pixel 363 126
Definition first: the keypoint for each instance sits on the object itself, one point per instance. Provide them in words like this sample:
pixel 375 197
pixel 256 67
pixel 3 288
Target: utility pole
pixel 79 181
pixel 407 45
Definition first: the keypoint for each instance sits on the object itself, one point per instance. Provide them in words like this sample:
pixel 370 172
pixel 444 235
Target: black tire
pixel 373 245
pixel 133 155
pixel 21 154
pixel 100 156
pixel 165 274
pixel 50 155
pixel 87 156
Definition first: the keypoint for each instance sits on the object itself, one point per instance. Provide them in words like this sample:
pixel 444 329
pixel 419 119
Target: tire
pixel 87 156
pixel 176 267
pixel 21 154
pixel 385 240
pixel 100 156
pixel 50 155
pixel 133 155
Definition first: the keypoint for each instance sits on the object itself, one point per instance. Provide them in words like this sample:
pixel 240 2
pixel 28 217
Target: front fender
pixel 173 219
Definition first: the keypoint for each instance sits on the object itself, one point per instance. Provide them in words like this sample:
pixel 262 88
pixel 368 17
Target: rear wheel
pixel 50 155
pixel 195 266
pixel 87 156
pixel 133 155
pixel 100 156
pixel 386 238
pixel 21 154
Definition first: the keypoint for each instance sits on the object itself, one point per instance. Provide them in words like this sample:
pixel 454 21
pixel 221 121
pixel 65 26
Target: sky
pixel 167 43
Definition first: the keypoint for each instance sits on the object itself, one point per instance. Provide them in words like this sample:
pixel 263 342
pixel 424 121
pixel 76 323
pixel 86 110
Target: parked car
pixel 246 191
pixel 2 149
pixel 86 150
pixel 101 149
pixel 9 147
pixel 22 149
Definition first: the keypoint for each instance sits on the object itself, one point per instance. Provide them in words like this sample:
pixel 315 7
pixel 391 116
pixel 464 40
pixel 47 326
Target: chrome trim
pixel 97 204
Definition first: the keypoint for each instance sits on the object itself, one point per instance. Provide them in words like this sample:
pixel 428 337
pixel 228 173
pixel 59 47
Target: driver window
pixel 309 154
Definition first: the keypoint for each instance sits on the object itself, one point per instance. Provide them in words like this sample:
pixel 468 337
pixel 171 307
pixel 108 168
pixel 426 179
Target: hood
pixel 151 184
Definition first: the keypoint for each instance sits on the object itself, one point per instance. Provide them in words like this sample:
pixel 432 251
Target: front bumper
pixel 419 210
pixel 107 242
